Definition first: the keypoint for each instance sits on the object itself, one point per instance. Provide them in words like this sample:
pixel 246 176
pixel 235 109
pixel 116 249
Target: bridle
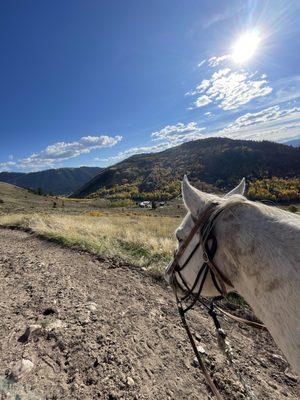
pixel 204 225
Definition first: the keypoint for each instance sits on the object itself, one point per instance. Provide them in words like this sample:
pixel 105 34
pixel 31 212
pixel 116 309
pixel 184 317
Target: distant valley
pixel 62 181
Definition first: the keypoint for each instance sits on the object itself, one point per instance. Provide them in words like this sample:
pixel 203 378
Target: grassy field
pixel 142 237
pixel 146 241
pixel 138 236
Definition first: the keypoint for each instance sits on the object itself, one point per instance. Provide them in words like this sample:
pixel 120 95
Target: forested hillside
pixel 210 163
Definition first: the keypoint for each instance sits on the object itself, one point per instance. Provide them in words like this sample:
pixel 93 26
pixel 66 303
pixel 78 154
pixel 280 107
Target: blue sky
pixel 92 82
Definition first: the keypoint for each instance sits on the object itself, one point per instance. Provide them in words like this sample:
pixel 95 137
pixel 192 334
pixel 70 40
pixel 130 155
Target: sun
pixel 245 47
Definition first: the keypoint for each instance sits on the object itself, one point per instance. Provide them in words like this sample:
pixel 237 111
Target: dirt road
pixel 74 327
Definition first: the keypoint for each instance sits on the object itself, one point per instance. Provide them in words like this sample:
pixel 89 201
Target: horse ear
pixel 239 189
pixel 193 199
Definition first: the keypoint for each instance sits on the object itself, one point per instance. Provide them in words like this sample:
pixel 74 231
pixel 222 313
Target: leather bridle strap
pixel 203 224
pixel 203 217
pixel 206 374
pixel 248 322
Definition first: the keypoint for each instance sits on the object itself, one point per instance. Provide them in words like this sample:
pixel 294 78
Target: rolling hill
pixel 212 162
pixel 14 199
pixel 60 181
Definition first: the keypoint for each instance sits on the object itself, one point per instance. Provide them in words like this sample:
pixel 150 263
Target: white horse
pixel 259 252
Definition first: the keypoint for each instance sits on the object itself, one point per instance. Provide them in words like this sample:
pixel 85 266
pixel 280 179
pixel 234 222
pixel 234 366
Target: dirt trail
pixel 101 331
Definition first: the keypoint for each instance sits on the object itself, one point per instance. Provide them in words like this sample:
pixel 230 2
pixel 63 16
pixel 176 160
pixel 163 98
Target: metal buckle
pixel 205 256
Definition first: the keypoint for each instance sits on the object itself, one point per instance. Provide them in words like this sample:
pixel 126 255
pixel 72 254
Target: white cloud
pixel 136 150
pixel 169 136
pixel 202 101
pixel 235 89
pixel 215 61
pixel 178 133
pixel 65 150
pixel 272 123
pixel 229 90
pixel 201 63
pixel 6 166
pixel 268 114
pixel 220 73
pixel 203 86
pixel 190 93
pixel 62 151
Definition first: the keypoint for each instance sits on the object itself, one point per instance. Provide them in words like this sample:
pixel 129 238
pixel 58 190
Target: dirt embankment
pixel 74 327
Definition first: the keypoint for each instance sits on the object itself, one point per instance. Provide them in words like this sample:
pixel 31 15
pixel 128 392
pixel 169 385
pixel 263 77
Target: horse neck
pixel 258 249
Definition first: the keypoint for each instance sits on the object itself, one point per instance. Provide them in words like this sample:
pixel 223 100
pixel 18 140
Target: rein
pixel 204 225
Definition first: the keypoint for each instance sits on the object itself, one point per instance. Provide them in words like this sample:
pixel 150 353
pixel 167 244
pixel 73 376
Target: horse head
pixel 196 202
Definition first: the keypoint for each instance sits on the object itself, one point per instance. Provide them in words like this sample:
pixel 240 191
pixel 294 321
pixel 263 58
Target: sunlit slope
pixel 218 162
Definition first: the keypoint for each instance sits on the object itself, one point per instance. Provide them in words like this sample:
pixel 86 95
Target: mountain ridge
pixel 212 162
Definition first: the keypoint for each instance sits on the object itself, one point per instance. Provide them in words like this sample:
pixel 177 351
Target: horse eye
pixel 179 239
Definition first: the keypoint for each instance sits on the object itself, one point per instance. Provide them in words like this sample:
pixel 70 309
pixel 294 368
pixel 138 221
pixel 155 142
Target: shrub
pixel 292 209
pixel 95 213
pixel 1 201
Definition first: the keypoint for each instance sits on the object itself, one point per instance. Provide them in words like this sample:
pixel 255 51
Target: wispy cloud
pixel 169 136
pixel 268 114
pixel 228 12
pixel 216 60
pixel 201 63
pixel 6 166
pixel 202 101
pixel 230 89
pixel 285 90
pixel 203 86
pixel 179 133
pixel 272 123
pixel 135 150
pixel 62 151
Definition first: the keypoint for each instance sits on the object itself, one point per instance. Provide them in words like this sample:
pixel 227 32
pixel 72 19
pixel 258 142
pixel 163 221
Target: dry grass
pixel 147 241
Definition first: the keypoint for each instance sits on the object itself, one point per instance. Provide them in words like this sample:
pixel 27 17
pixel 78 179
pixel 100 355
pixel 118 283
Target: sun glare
pixel 245 47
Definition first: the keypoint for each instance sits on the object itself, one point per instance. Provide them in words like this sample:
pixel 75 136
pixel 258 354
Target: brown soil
pixel 103 331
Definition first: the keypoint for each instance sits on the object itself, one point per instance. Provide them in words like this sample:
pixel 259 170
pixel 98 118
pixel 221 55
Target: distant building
pixel 145 204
